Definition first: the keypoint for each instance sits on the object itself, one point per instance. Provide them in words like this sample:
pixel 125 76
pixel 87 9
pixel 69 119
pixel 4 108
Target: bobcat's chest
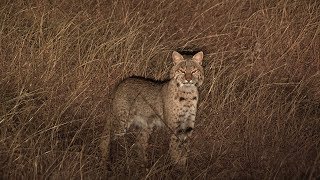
pixel 187 99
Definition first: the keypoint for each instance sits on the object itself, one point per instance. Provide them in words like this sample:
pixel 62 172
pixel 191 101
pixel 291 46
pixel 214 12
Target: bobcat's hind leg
pixel 105 142
pixel 142 144
pixel 113 129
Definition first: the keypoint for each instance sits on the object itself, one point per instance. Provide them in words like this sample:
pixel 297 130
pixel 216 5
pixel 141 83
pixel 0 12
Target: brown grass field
pixel 259 111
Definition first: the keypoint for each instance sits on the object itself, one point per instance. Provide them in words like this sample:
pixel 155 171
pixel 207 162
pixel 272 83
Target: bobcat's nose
pixel 189 77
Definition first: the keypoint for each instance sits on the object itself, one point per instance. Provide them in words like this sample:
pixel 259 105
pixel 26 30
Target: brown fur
pixel 148 104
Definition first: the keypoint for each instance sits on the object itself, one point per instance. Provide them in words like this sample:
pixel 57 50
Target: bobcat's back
pixel 138 101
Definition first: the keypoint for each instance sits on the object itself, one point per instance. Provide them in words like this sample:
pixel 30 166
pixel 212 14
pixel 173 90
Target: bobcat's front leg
pixel 179 150
pixel 180 139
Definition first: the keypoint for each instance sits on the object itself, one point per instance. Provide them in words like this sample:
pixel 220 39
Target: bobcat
pixel 147 104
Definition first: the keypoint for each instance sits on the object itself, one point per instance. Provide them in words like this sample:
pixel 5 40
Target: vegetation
pixel 258 115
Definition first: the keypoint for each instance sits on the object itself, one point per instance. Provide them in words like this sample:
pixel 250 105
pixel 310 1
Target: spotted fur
pixel 147 104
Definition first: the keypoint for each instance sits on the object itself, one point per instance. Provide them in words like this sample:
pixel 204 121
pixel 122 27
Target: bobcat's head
pixel 187 71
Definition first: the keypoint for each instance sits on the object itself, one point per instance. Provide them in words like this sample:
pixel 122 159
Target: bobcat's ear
pixel 176 57
pixel 198 57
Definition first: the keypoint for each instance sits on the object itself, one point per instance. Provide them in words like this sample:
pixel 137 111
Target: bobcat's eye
pixel 194 71
pixel 181 71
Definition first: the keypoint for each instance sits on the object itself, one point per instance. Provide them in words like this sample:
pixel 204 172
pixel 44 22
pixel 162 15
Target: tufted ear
pixel 176 57
pixel 198 57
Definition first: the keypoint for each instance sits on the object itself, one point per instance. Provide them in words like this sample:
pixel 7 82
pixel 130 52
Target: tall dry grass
pixel 259 110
